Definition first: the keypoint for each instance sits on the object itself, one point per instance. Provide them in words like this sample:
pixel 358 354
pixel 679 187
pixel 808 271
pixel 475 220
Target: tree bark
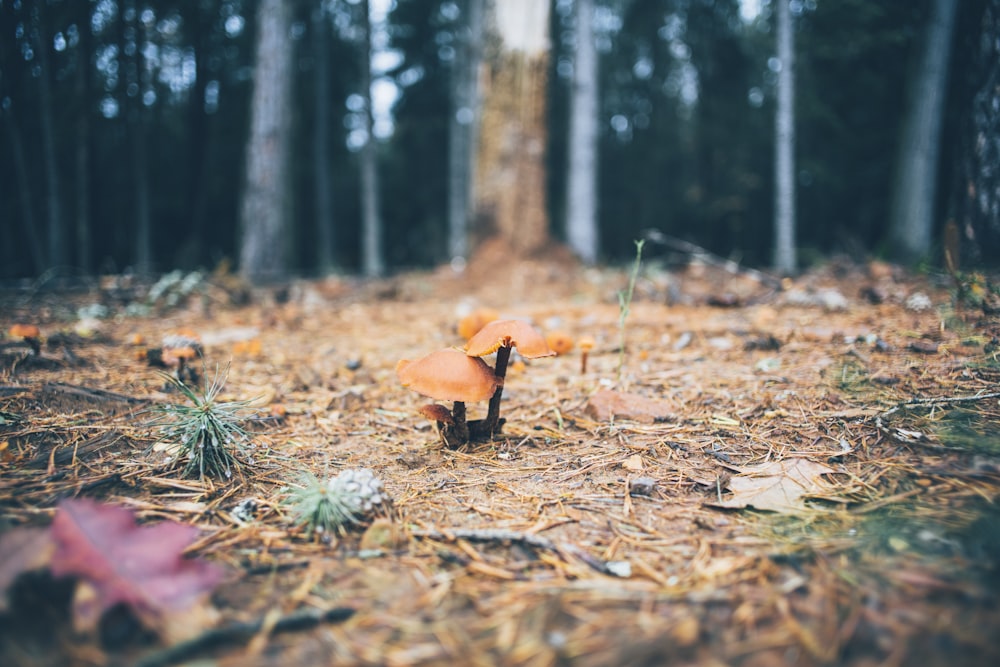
pixel 82 85
pixel 53 192
pixel 462 129
pixel 372 263
pixel 322 181
pixel 581 187
pixel 510 165
pixel 266 195
pixel 784 142
pixel 912 219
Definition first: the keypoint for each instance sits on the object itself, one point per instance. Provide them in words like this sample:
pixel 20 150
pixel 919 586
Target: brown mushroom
pixel 559 342
pixel 586 345
pixel 501 337
pixel 471 324
pixel 450 375
pixel 31 335
pixel 442 418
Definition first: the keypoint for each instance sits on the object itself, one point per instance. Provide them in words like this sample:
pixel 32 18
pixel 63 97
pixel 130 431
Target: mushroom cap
pixel 449 375
pixel 24 331
pixel 437 413
pixel 508 333
pixel 559 342
pixel 172 356
pixel 470 325
pixel 586 344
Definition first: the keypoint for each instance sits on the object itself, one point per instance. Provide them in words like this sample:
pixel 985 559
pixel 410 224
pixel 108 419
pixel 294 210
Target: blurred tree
pixel 581 188
pixel 510 165
pixel 784 144
pixel 372 252
pixel 979 185
pixel 913 211
pixel 463 125
pixel 322 179
pixel 132 47
pixel 41 46
pixel 265 212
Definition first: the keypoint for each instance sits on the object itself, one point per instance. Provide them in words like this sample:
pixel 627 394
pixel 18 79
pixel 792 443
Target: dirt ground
pixel 571 539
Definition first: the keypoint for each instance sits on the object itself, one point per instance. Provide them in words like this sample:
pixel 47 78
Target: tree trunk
pixel 784 150
pixel 462 129
pixel 28 227
pixel 322 182
pixel 912 220
pixel 53 191
pixel 134 114
pixel 266 194
pixel 510 166
pixel 981 206
pixel 581 186
pixel 372 263
pixel 82 85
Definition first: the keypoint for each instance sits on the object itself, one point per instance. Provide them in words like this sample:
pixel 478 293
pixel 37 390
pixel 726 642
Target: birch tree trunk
pixel 463 129
pixel 784 145
pixel 322 182
pixel 510 165
pixel 372 262
pixel 266 195
pixel 912 219
pixel 581 187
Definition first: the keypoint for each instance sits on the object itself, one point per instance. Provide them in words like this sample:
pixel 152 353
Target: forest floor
pixel 813 480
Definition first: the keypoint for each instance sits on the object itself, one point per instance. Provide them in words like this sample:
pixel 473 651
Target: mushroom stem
pixel 35 344
pixel 461 428
pixel 583 362
pixel 500 370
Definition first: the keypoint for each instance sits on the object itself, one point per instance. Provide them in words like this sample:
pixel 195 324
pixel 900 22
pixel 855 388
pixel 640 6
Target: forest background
pixel 303 137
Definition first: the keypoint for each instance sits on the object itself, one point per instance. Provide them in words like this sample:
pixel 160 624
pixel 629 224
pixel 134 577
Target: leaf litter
pixel 765 503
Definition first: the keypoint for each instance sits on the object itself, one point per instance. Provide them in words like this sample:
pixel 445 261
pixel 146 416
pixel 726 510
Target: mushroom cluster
pixel 463 377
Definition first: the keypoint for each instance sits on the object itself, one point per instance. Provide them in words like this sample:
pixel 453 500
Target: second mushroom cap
pixel 508 333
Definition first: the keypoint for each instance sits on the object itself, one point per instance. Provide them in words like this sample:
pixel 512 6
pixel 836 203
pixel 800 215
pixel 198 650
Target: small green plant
pixel 207 432
pixel 625 303
pixel 327 506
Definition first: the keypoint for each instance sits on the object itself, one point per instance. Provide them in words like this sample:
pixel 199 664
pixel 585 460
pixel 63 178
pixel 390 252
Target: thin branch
pixel 656 236
pixel 943 400
pixel 564 551
pixel 236 632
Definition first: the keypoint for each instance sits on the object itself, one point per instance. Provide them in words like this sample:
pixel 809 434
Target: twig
pixel 944 400
pixel 499 535
pixel 656 236
pixel 298 620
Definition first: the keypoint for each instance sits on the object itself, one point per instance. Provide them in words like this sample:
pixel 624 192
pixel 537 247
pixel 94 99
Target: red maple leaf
pixel 142 567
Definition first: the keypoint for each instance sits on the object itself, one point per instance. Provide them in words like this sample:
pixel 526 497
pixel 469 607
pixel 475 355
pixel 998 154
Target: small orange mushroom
pixel 559 342
pixel 501 337
pixel 442 418
pixel 450 375
pixel 31 335
pixel 586 345
pixel 472 323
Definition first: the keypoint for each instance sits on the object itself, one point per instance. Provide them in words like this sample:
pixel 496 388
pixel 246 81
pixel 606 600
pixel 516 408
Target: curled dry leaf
pixel 778 486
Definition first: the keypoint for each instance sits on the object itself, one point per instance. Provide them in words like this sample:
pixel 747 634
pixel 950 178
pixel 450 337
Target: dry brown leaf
pixel 778 486
pixel 608 404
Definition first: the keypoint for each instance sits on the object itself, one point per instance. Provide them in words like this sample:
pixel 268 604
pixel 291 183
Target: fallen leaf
pixel 119 562
pixel 22 550
pixel 607 404
pixel 633 462
pixel 777 486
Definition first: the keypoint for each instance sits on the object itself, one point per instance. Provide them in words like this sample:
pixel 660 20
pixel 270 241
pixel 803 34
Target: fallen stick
pixel 564 551
pixel 235 632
